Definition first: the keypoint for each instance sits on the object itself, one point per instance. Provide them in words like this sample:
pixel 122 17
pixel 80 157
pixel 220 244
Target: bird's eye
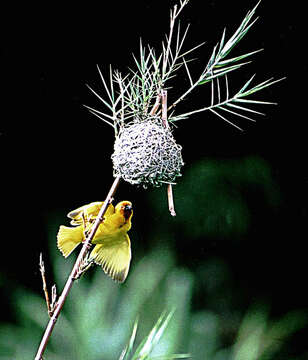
pixel 127 211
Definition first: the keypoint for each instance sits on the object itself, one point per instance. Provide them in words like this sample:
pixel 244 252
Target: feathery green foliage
pixel 138 91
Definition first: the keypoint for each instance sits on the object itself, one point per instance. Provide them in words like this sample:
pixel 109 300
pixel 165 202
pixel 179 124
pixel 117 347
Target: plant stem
pixel 164 107
pixel 71 278
pixel 164 117
pixel 156 105
pixel 170 200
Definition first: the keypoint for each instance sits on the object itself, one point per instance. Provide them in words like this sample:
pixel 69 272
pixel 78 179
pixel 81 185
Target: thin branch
pixel 72 276
pixel 42 270
pixel 156 105
pixel 164 108
pixel 170 200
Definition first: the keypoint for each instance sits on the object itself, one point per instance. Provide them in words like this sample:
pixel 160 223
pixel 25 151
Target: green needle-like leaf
pixel 236 113
pixel 244 108
pixel 260 86
pixel 235 59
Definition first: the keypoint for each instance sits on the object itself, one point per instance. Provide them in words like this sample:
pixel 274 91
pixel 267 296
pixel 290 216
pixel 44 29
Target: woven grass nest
pixel 146 153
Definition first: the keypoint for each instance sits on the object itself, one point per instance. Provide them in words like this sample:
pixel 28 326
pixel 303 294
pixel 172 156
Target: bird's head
pixel 125 208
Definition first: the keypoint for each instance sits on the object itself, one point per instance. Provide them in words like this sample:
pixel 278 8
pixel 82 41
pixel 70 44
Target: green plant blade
pixel 129 348
pixel 147 345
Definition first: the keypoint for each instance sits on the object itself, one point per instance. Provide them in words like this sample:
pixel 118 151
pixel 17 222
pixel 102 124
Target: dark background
pixel 55 156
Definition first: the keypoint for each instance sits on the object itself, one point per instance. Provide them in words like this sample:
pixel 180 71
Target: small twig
pixel 72 276
pixel 166 125
pixel 42 270
pixel 164 107
pixel 156 105
pixel 170 200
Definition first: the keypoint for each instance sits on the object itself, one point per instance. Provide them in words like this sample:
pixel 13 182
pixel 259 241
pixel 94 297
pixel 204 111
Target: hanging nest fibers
pixel 145 152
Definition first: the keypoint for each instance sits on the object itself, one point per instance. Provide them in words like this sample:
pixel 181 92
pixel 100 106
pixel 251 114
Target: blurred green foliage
pixel 99 318
pixel 215 198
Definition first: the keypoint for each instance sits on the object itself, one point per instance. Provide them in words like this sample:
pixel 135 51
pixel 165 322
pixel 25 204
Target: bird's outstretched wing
pixel 114 256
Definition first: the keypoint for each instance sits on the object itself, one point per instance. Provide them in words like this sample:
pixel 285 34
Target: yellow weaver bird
pixel 112 245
